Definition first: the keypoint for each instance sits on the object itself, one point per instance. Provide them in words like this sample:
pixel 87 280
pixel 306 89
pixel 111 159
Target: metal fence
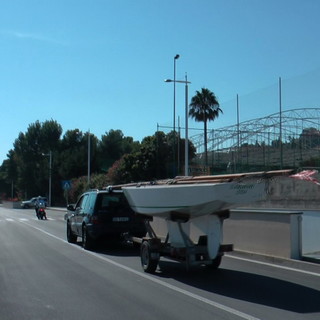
pixel 275 141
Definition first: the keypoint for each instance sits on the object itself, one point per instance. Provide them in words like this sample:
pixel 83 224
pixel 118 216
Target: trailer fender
pixel 214 233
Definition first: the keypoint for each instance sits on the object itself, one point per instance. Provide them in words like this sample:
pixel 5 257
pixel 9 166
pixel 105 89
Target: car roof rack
pixel 112 189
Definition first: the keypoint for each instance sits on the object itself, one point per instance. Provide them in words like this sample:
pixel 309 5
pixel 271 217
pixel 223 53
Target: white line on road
pixel 22 219
pixel 177 289
pixel 227 255
pixel 275 265
pixel 155 280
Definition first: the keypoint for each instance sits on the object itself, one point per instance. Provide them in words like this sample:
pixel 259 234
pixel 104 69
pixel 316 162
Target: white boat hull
pixel 193 200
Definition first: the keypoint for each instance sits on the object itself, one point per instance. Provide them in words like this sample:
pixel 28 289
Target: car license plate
pixel 120 219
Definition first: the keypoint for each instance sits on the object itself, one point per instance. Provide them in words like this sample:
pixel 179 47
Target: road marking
pixel 177 289
pixel 25 219
pixel 155 280
pixel 275 265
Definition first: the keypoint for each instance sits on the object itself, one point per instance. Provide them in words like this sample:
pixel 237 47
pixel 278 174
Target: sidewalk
pixel 312 257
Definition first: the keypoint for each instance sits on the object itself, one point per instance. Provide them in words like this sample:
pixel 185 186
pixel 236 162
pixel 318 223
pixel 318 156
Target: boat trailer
pixel 179 247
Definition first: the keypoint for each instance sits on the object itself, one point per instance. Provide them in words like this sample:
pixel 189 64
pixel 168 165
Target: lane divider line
pixel 153 279
pixel 274 265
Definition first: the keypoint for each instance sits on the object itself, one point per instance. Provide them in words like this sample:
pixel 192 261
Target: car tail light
pixel 95 220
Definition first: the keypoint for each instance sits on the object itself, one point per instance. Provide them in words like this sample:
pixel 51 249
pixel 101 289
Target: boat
pixel 191 199
pixel 198 196
pixel 189 203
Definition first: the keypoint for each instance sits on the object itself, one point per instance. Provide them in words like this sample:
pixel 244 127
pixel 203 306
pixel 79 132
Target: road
pixel 44 277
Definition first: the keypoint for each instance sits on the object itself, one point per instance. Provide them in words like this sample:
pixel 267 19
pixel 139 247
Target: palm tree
pixel 204 107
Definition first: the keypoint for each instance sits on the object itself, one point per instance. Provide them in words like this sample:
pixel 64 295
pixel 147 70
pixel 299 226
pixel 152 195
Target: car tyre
pixel 87 241
pixel 71 237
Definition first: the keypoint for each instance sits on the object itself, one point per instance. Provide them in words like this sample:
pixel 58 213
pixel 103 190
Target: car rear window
pixel 110 203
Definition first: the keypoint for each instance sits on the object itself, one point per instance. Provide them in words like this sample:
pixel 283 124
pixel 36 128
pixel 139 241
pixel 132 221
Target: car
pixel 101 215
pixel 32 202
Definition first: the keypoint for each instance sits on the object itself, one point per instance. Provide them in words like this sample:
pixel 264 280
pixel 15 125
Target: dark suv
pixel 102 214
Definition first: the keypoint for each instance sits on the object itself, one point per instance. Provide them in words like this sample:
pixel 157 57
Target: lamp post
pixel 186 142
pixel 50 176
pixel 280 121
pixel 174 91
pixel 89 158
pixel 176 57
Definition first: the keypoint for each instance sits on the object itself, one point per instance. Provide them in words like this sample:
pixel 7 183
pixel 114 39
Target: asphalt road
pixel 44 277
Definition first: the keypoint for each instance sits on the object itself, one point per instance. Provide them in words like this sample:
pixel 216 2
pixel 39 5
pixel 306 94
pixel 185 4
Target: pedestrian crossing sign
pixel 66 185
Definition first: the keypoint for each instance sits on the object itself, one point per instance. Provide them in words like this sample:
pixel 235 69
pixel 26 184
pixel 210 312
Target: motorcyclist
pixel 40 204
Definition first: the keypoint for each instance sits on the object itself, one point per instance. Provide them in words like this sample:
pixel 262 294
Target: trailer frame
pixel 152 247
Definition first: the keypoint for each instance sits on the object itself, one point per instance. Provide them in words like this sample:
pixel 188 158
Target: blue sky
pixel 99 64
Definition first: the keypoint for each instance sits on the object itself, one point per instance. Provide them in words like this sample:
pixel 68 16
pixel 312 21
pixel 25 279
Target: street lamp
pixel 176 57
pixel 186 142
pixel 174 92
pixel 89 158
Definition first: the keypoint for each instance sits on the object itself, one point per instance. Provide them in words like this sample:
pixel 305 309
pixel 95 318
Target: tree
pixel 152 161
pixel 30 150
pixel 204 107
pixel 73 155
pixel 8 175
pixel 27 170
pixel 113 146
pixel 148 163
pixel 310 137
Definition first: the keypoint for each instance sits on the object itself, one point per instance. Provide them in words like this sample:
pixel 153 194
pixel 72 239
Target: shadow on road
pixel 239 285
pixel 245 286
pixel 115 248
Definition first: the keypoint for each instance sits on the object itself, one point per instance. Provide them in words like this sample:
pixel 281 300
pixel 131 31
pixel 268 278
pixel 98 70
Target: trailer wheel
pixel 215 263
pixel 149 263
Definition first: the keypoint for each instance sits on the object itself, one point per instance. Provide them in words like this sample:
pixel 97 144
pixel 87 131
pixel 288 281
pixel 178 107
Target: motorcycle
pixel 41 214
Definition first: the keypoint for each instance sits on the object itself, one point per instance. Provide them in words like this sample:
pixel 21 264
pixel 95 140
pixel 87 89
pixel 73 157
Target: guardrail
pixel 271 232
pixel 310 232
pixel 288 234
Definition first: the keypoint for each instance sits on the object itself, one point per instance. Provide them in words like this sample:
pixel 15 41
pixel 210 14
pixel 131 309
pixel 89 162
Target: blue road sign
pixel 66 184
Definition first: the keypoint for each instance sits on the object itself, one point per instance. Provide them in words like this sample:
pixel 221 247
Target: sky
pixel 100 65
